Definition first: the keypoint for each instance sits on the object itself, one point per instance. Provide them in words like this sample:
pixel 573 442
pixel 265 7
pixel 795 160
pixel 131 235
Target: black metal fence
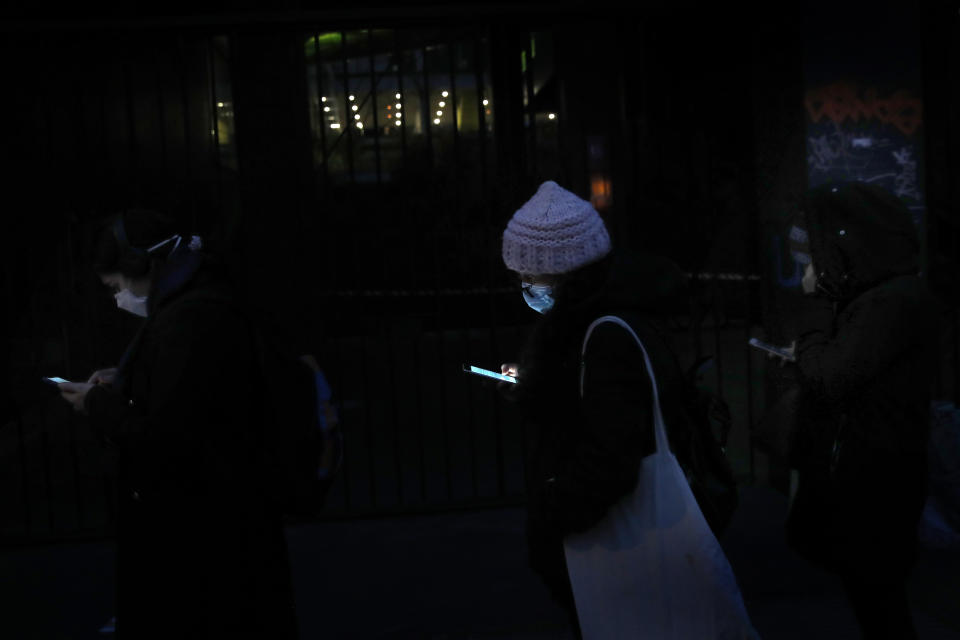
pixel 418 144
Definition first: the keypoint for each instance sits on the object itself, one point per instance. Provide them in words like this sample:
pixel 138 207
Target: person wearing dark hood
pixel 200 550
pixel 584 454
pixel 865 358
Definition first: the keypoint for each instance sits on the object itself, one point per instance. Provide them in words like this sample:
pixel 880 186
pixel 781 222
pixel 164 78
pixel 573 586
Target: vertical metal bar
pixel 479 66
pixel 955 322
pixel 472 427
pixel 215 131
pixel 451 46
pixel 373 103
pixel 24 477
pixel 346 100
pixel 339 392
pixel 161 109
pixel 67 266
pixel 437 270
pixel 403 120
pixel 371 457
pixel 531 114
pixel 716 337
pixel 185 101
pixel 417 341
pixel 415 239
pixel 323 118
pixel 392 368
pixel 482 115
pixel 427 129
pixel 444 425
pixel 47 483
pixel 131 129
pixel 748 316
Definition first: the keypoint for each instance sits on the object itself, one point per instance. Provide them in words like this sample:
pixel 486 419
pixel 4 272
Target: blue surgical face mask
pixel 538 296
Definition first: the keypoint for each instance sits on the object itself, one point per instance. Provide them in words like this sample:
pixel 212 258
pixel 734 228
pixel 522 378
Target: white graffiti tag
pixel 906 180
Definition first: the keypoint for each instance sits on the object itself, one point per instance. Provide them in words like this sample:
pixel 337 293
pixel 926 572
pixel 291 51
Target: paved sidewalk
pixel 461 576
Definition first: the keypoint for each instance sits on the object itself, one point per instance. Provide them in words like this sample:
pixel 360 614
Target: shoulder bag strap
pixel 658 425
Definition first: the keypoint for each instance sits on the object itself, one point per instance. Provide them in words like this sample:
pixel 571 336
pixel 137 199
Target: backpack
pixel 298 425
pixel 702 454
pixel 297 419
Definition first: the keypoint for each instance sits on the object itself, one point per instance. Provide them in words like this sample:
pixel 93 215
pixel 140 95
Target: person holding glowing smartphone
pixel 864 357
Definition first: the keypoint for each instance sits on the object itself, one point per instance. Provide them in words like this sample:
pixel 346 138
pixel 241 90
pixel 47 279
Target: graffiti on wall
pixel 856 133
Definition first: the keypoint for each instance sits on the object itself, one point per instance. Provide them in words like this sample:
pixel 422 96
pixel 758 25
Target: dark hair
pixel 142 228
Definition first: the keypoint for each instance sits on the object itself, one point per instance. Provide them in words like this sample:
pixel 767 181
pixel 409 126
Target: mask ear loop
pixel 160 244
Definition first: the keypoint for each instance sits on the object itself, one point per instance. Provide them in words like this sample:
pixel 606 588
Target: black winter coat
pixel 200 554
pixel 583 455
pixel 866 355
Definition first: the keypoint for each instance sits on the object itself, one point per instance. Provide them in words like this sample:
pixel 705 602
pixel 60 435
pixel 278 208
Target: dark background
pixel 379 249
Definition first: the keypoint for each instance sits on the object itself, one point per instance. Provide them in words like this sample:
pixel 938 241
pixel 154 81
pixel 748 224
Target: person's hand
pixel 75 393
pixel 791 350
pixel 508 388
pixel 103 376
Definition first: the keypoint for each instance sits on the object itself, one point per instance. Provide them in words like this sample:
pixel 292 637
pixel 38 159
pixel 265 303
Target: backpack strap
pixel 658 425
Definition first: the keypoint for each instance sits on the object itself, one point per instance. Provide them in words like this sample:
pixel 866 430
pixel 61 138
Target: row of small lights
pixel 397 118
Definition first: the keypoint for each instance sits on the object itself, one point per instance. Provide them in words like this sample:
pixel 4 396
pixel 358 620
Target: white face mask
pixel 137 305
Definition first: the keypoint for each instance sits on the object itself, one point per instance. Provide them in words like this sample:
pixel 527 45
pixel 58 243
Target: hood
pixel 860 236
pixel 172 277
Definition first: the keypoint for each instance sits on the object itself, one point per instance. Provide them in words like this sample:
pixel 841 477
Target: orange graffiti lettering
pixel 840 101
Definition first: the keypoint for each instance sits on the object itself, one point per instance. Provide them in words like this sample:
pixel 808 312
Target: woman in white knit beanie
pixel 587 420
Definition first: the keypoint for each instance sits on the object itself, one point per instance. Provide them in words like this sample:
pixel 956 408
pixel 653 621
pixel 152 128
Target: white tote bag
pixel 652 568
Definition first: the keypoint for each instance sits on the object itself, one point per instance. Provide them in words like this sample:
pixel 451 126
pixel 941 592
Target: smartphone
pixel 490 374
pixel 53 382
pixel 778 351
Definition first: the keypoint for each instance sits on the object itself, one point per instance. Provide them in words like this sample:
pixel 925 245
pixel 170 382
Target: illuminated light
pixel 354 107
pixel 552 116
pixel 442 104
pixel 389 116
pixel 601 192
pixel 444 94
pixel 220 104
pixel 399 115
pixel 335 125
pixel 326 109
pixel 356 116
pixel 399 106
pixel 323 98
pixel 359 125
pixel 389 107
pixel 486 102
pixel 436 121
pixel 352 98
pixel 439 113
pixel 398 122
pixel 398 96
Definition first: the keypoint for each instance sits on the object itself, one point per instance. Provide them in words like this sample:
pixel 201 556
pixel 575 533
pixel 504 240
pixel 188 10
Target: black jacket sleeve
pixel 601 461
pixel 198 380
pixel 838 361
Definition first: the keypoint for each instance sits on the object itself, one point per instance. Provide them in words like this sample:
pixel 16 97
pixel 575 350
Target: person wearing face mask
pixel 200 550
pixel 583 454
pixel 865 358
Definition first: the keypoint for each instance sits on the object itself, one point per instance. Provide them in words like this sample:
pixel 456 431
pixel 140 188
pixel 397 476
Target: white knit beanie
pixel 554 232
